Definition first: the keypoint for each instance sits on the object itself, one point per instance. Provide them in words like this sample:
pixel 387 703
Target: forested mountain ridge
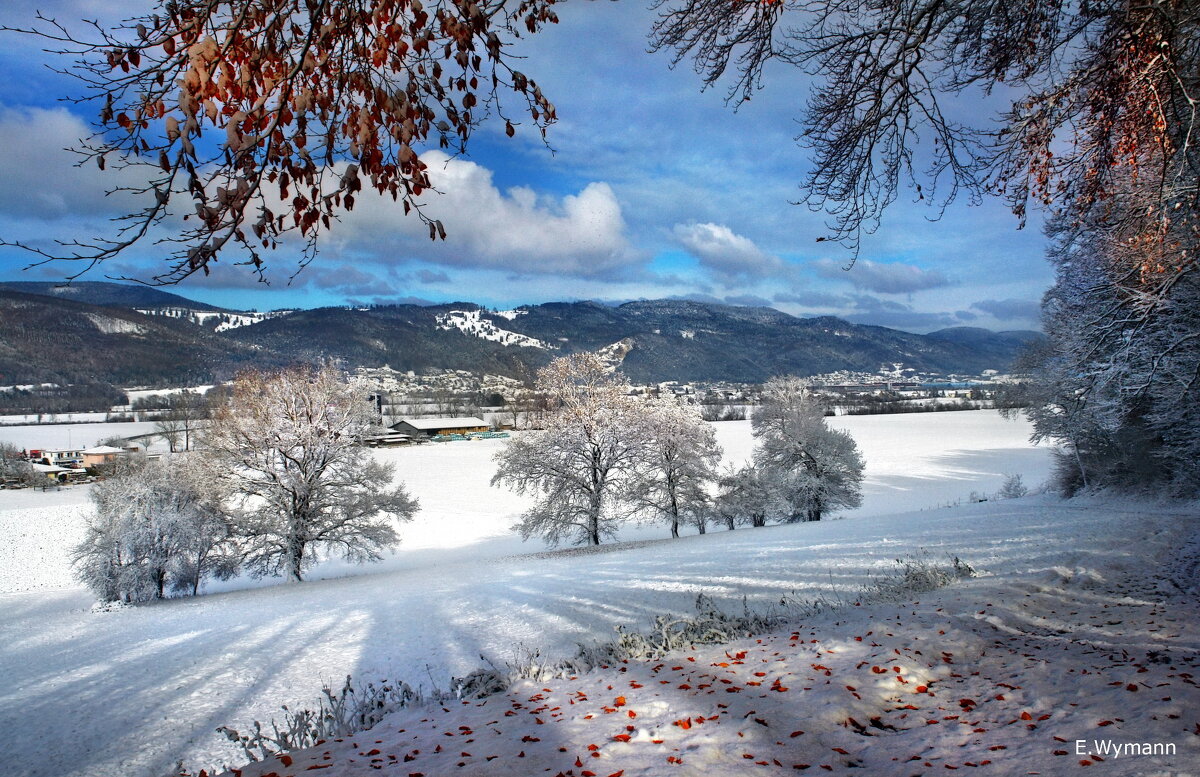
pixel 49 338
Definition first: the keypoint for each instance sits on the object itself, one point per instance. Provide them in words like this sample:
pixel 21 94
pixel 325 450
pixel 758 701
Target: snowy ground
pixel 1071 646
pixel 127 693
pixel 70 436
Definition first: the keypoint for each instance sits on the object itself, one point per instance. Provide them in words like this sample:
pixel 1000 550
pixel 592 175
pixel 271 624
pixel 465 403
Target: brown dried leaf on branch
pixel 253 119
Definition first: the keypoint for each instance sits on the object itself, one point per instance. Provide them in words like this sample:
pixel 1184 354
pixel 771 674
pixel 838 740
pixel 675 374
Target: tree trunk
pixel 295 559
pixel 593 522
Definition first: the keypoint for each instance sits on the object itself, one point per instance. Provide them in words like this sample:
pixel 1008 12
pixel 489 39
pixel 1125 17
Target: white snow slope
pixel 129 692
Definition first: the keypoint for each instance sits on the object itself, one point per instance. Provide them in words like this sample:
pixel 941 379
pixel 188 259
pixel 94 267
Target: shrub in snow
pixel 679 459
pixel 814 468
pixel 576 466
pixel 1013 488
pixel 338 714
pixel 916 575
pixel 286 443
pixel 157 525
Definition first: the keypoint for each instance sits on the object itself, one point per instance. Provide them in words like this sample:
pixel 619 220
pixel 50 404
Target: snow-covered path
pixel 127 693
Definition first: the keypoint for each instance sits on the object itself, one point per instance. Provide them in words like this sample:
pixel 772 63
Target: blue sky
pixel 652 188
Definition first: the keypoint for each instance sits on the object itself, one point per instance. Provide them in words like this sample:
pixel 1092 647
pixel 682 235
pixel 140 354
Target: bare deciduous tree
pixel 1099 90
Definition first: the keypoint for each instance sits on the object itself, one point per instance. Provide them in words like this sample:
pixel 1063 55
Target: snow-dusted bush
pixel 722 412
pixel 15 469
pixel 1013 488
pixel 286 444
pixel 338 714
pixel 916 575
pixel 157 526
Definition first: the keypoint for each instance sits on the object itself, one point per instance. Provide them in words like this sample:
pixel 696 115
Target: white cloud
pixel 884 278
pixel 580 234
pixel 725 252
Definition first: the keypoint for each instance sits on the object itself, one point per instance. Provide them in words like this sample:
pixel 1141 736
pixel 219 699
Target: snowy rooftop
pixel 101 450
pixel 444 423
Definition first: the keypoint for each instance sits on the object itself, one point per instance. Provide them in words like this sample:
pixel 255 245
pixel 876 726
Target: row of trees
pixel 604 457
pixel 279 480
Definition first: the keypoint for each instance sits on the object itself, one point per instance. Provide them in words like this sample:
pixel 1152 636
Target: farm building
pixel 433 427
pixel 102 454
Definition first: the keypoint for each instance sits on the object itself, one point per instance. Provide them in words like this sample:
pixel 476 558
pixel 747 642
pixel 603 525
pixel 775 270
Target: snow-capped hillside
pixel 472 322
pixel 224 320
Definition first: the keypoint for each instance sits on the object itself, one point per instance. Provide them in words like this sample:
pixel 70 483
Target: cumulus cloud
pixel 581 234
pixel 881 277
pixel 725 252
pixel 1009 309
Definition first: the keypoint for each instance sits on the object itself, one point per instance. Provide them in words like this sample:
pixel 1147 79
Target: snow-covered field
pixel 129 692
pixel 80 435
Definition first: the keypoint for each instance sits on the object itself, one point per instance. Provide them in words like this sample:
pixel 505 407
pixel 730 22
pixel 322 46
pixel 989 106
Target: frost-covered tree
pixel 679 460
pixel 815 468
pixel 286 442
pixel 14 467
pixel 157 525
pixel 747 496
pixel 592 438
pixel 1118 385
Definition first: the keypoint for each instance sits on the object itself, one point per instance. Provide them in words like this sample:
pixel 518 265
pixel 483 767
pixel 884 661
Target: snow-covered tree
pixel 747 496
pixel 286 442
pixel 577 464
pixel 815 468
pixel 678 462
pixel 157 525
pixel 14 466
pixel 1117 385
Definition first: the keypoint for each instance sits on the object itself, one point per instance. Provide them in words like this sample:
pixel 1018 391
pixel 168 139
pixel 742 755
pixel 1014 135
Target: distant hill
pixel 54 340
pixel 54 335
pixel 108 294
